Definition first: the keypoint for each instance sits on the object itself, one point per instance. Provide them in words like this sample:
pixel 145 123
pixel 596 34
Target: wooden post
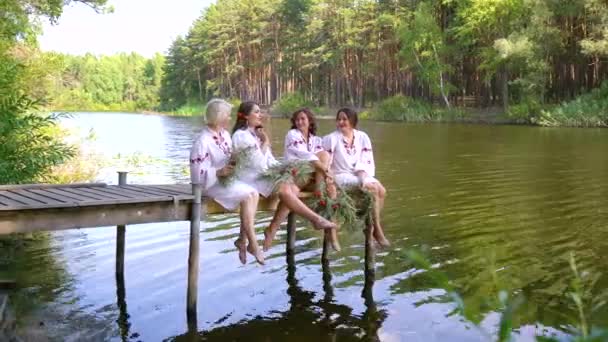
pixel 193 255
pixel 328 289
pixel 326 247
pixel 121 292
pixel 291 233
pixel 120 236
pixel 370 252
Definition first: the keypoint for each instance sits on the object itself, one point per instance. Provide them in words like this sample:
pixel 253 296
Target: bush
pixel 526 112
pixel 290 102
pixel 588 110
pixel 403 108
pixel 29 141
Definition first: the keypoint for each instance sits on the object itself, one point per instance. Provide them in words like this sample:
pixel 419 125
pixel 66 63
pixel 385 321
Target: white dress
pixel 260 160
pixel 296 147
pixel 211 152
pixel 347 159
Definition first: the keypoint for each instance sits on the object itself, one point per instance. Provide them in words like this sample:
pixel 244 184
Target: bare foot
pixel 381 239
pixel 321 223
pixel 240 245
pixel 336 245
pixel 268 237
pixel 259 256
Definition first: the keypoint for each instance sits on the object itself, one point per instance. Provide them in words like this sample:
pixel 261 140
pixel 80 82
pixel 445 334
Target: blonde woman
pixel 209 162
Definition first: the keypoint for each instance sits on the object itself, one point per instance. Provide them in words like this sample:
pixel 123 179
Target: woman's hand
pixel 225 171
pixel 263 137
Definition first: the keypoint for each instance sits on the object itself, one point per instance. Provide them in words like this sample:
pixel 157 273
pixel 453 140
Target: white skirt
pixel 263 187
pixel 230 196
pixel 346 180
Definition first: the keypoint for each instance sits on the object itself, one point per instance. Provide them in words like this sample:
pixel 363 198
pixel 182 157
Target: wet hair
pixel 350 114
pixel 312 123
pixel 214 108
pixel 242 113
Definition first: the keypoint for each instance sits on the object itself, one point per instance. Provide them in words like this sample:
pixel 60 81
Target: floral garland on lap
pixel 299 172
pixel 351 206
pixel 239 158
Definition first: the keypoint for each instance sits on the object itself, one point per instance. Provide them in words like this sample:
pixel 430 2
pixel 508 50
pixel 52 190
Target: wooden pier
pixel 45 207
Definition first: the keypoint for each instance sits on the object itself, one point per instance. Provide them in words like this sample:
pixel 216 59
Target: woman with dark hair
pixel 248 134
pixel 301 143
pixel 209 163
pixel 352 163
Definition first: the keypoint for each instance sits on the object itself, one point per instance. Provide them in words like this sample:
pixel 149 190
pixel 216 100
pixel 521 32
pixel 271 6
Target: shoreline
pixel 475 116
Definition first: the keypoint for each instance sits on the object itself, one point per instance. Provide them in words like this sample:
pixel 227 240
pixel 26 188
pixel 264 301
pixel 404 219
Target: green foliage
pixel 525 112
pixel 351 208
pixel 28 144
pixel 190 109
pixel 582 293
pixel 29 140
pixel 289 103
pixel 298 172
pixel 122 82
pixel 403 108
pixel 239 159
pixel 423 48
pixel 16 15
pixel 588 110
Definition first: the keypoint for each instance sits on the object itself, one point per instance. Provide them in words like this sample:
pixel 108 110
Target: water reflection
pixel 306 318
pixel 522 197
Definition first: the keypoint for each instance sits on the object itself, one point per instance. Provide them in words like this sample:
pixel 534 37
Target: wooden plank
pixel 19 198
pixel 100 216
pixel 46 186
pixel 104 194
pixel 149 191
pixel 187 188
pixel 76 197
pixel 37 197
pixel 53 195
pixel 47 195
pixel 117 190
pixel 174 188
pixel 128 201
pixel 152 188
pixel 81 192
pixel 10 202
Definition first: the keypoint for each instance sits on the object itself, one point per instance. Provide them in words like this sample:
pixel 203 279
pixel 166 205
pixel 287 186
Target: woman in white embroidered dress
pixel 353 163
pixel 248 133
pixel 301 143
pixel 209 161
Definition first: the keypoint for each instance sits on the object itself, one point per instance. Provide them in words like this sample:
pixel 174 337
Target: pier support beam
pixel 370 252
pixel 193 256
pixel 120 236
pixel 291 233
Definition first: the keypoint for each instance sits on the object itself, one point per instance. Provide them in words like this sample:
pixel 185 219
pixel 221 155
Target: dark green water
pixel 483 200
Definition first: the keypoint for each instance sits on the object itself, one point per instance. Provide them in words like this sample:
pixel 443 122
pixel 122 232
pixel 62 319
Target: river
pixel 484 202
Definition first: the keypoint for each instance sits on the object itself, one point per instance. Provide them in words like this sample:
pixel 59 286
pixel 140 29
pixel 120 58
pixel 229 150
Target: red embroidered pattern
pixel 222 144
pixel 199 159
pixel 351 149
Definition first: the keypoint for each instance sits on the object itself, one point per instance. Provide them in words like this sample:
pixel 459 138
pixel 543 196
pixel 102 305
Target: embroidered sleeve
pixel 240 141
pixel 327 144
pixel 366 157
pixel 297 148
pixel 201 171
pixel 317 144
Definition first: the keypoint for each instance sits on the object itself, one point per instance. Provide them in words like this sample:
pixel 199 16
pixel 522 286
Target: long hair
pixel 350 114
pixel 312 123
pixel 241 115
